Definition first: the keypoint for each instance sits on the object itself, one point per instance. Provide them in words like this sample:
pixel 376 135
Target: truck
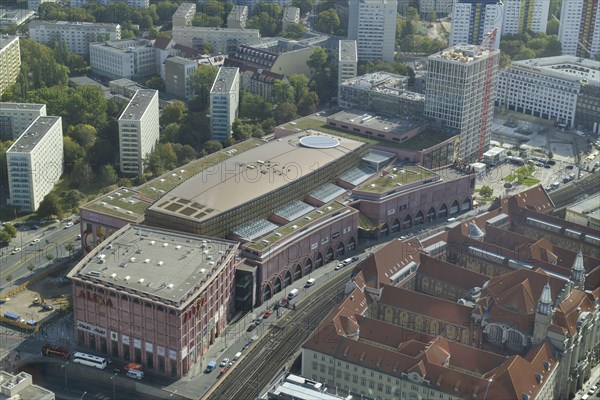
pixel 293 293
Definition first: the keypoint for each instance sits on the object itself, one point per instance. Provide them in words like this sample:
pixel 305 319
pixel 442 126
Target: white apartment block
pixel 291 15
pixel 548 87
pixel 184 14
pixel 178 71
pixel 133 3
pixel 16 117
pixel 521 16
pixel 440 7
pixel 35 163
pixel 77 35
pixel 347 61
pixel 10 61
pixel 472 21
pixel 34 5
pixel 579 31
pixel 138 131
pixel 460 94
pixel 222 40
pixel 131 59
pixel 372 23
pixel 238 17
pixel 224 102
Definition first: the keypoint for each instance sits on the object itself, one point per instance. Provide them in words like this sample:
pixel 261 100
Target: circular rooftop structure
pixel 319 142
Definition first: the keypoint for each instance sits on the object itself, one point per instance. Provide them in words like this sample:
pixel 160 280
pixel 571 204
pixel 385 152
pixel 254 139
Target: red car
pixel 267 314
pixel 131 366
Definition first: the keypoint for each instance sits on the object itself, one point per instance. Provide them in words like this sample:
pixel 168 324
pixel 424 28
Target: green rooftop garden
pixel 424 140
pixel 295 225
pixel 398 176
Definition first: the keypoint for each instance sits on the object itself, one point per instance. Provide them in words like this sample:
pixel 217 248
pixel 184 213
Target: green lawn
pixel 529 181
pixel 402 176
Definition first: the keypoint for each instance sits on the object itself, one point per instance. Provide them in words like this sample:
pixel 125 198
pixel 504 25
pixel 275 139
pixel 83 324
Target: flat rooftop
pixel 184 9
pixel 162 265
pixel 5 41
pixel 33 134
pixel 463 54
pixel 566 67
pixel 76 23
pixel 138 104
pixel 295 226
pixel 396 177
pixel 291 14
pixel 347 50
pixel 131 203
pixel 21 106
pixel 589 206
pixel 250 175
pixel 224 81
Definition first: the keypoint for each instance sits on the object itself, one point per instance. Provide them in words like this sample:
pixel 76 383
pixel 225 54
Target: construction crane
pixel 486 44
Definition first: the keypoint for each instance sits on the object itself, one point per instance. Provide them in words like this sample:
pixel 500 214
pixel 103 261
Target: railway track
pixel 268 356
pixel 569 193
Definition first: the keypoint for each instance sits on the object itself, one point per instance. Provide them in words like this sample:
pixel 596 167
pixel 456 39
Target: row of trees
pixel 412 35
pixel 528 45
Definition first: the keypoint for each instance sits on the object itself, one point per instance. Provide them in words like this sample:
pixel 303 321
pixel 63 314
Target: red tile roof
pixel 381 265
pixel 450 273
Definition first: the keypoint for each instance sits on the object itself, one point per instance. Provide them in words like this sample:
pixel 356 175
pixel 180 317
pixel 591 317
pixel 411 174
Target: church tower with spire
pixel 543 315
pixel 578 272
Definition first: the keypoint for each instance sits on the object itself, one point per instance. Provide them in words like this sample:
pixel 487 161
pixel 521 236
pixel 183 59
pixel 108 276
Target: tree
pixel 156 83
pixel 317 60
pixel 254 107
pixel 327 21
pixel 170 133
pixel 308 104
pixel 524 54
pixel 285 112
pixel 49 257
pixel 304 5
pixel 9 278
pixel 50 206
pixel 162 159
pixel 294 31
pixel 552 26
pixel 241 131
pixel 431 17
pixel 486 191
pixel 103 152
pixel 172 113
pixel 85 135
pixel 10 230
pixel 30 267
pixel 201 82
pixel 412 14
pixel 300 84
pixel 72 198
pixel 550 155
pixel 265 23
pixel 184 153
pixel 4 238
pixel 69 247
pixel 282 92
pixel 87 105
pixel 212 146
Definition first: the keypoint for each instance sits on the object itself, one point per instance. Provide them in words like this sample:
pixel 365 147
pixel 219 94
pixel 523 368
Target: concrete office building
pixel 184 14
pixel 587 113
pixel 16 117
pixel 579 29
pixel 224 102
pixel 460 94
pixel 347 61
pixel 222 40
pixel 372 23
pixel 549 88
pixel 77 35
pixel 131 59
pixel 521 16
pixel 154 297
pixel 21 386
pixel 238 17
pixel 10 61
pixel 138 131
pixel 291 15
pixel 439 7
pixel 178 71
pixel 472 21
pixel 257 81
pixel 35 163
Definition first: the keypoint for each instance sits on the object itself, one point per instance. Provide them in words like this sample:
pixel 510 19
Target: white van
pixel 293 294
pixel 237 356
pixel 136 374
pixel 310 282
pixel 347 261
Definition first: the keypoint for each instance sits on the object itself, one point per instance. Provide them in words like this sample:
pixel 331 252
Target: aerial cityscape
pixel 300 199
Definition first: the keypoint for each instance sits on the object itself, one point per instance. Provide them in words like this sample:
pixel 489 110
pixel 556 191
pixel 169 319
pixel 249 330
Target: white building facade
pixel 521 16
pixel 10 61
pixel 133 3
pixel 222 40
pixel 184 14
pixel 16 117
pixel 77 35
pixel 372 23
pixel 138 131
pixel 35 163
pixel 472 21
pixel 224 102
pixel 547 88
pixel 131 59
pixel 347 61
pixel 460 95
pixel 579 29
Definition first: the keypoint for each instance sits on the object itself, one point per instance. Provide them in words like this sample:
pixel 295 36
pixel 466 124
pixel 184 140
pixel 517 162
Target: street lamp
pixel 65 367
pixel 112 378
pixel 84 393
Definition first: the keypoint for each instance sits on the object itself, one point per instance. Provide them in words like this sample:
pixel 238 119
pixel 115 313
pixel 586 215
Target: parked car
pixel 339 266
pixel 35 227
pixel 131 366
pixel 569 166
pixel 251 327
pixel 47 307
pixel 34 241
pixel 267 314
pixel 355 258
pixel 224 362
pixel 15 250
pixel 68 225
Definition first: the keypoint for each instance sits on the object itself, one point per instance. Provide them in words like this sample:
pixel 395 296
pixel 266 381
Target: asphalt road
pixel 53 241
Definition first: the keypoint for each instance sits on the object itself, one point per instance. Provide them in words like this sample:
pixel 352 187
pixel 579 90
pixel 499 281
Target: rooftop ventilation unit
pixel 146 261
pixel 165 244
pixel 126 278
pixel 152 242
pixel 141 280
pixel 170 286
pixel 160 263
pixel 178 247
